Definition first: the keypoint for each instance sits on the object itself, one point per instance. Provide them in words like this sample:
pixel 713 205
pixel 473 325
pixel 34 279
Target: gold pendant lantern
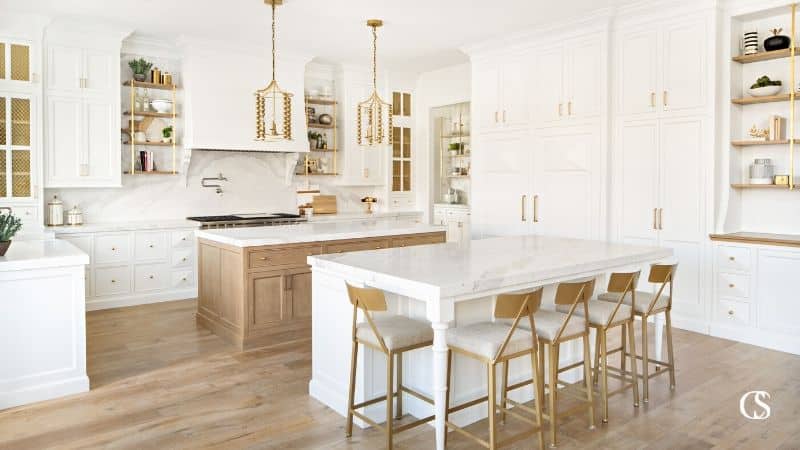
pixel 374 119
pixel 273 105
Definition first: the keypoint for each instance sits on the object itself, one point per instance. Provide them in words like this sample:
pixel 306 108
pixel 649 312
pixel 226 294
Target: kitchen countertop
pixel 41 254
pixel 103 227
pixel 746 237
pixel 313 232
pixel 461 269
pixel 360 215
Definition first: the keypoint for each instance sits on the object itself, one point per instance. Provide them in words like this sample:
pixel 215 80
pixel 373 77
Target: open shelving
pixel 149 116
pixel 329 106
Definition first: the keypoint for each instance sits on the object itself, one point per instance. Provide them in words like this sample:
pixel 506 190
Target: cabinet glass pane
pixel 406 104
pixel 395 142
pixel 396 103
pixel 2 61
pixel 20 121
pixel 406 176
pixel 406 142
pixel 3 121
pixel 20 173
pixel 396 176
pixel 3 179
pixel 20 62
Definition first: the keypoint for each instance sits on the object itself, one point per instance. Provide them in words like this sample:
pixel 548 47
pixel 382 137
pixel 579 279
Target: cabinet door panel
pixel 64 68
pixel 501 177
pixel 637 72
pixel 515 84
pixel 210 286
pixel 98 71
pixel 778 308
pixel 96 161
pixel 63 138
pixel 684 66
pixel 585 79
pixel 300 295
pixel 266 298
pixel 638 157
pixel 681 179
pixel 485 100
pixel 548 85
pixel 686 300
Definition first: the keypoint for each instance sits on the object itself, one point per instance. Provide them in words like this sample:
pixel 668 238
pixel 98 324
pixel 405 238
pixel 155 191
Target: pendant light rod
pixel 374 24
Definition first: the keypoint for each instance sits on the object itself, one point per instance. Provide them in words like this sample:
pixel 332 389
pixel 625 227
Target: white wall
pixel 436 88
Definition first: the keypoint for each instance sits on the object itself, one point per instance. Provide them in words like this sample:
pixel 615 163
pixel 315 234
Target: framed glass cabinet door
pixel 16 168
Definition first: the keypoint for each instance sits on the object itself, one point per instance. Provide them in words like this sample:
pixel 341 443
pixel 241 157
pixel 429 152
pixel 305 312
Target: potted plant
pixel 765 87
pixel 313 139
pixel 9 226
pixel 140 68
pixel 167 134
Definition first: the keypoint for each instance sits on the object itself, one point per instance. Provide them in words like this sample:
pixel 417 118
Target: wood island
pixel 255 283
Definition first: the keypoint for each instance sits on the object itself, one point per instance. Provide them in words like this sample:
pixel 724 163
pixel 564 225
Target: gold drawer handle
pixel 263 258
pixel 378 247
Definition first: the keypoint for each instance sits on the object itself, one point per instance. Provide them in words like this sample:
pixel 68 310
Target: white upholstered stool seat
pixel 600 311
pixel 643 300
pixel 397 332
pixel 549 322
pixel 485 338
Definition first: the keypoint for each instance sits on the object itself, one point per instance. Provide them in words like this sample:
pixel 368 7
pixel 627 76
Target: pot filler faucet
pixel 218 187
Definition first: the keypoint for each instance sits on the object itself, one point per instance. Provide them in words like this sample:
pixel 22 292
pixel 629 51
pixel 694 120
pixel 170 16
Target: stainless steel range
pixel 248 220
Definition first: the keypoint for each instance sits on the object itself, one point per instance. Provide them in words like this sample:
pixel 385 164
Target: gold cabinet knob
pixel 731 312
pixel 731 286
pixel 183 238
pixel 183 260
pixel 263 258
pixel 152 277
pixel 732 258
pixel 113 249
pixel 152 246
pixel 183 279
pixel 113 281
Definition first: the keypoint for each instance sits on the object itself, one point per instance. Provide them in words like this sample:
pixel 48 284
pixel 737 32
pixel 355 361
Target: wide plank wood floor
pixel 161 382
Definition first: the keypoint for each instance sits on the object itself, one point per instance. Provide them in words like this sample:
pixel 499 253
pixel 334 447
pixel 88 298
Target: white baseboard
pixel 754 336
pixel 690 324
pixel 45 391
pixel 97 303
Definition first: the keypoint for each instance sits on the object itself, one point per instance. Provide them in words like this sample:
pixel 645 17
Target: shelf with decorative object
pixel 320 101
pixel 455 136
pixel 755 143
pixel 152 172
pixel 141 126
pixel 145 85
pixel 152 143
pixel 166 115
pixel 759 186
pixel 321 126
pixel 764 56
pixel 321 114
pixel 764 99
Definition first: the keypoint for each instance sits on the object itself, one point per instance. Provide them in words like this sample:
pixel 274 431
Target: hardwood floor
pixel 161 382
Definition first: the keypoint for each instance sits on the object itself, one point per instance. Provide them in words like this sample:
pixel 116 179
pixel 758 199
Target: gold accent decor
pixel 20 62
pixel 756 133
pixel 374 117
pixel 273 105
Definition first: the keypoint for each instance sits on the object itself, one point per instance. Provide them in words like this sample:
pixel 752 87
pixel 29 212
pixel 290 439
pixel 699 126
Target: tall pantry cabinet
pixel 663 147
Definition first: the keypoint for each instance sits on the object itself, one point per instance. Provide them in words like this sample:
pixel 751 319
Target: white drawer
pixel 151 245
pixel 29 216
pixel 151 277
pixel 733 285
pixel 181 257
pixel 112 248
pixel 733 258
pixel 182 238
pixel 183 279
pixel 733 312
pixel 82 242
pixel 112 280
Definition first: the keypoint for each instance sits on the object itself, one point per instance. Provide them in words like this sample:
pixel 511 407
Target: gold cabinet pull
pixel 569 108
pixel 152 277
pixel 496 114
pixel 504 116
pixel 653 99
pixel 665 99
pixel 731 285
pixel 113 281
pixel 560 106
pixel 655 218
pixel 263 258
pixel 524 199
pixel 152 246
pixel 536 208
pixel 660 218
pixel 732 258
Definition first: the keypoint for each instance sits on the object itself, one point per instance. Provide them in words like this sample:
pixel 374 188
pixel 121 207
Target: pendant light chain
pixel 374 58
pixel 273 41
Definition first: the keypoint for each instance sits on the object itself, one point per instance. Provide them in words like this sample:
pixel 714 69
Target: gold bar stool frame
pixel 603 317
pixel 645 306
pixel 392 336
pixel 495 343
pixel 553 329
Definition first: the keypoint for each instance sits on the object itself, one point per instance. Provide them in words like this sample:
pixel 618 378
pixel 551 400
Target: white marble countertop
pixel 360 215
pixel 464 269
pixel 41 254
pixel 313 232
pixel 104 227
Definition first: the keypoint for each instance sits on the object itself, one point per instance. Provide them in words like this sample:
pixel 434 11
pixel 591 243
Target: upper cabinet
pixel 663 69
pixel 18 63
pixel 569 81
pixel 82 113
pixel 500 93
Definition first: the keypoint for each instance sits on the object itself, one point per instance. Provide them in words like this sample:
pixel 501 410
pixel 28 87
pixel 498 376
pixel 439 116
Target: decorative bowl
pixel 765 91
pixel 161 106
pixel 325 119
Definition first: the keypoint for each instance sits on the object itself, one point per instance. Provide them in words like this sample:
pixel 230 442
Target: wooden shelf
pixel 324 174
pixel 458 176
pixel 765 56
pixel 144 85
pixel 320 126
pixel 759 186
pixel 324 150
pixel 155 172
pixel 453 136
pixel 154 144
pixel 753 143
pixel 765 99
pixel 149 114
pixel 788 240
pixel 320 101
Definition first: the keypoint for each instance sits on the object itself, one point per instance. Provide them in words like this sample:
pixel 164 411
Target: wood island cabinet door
pixel 210 280
pixel 298 294
pixel 266 298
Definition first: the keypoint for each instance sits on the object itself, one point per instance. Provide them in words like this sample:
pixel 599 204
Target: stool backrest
pixel 663 274
pixel 623 284
pixel 517 306
pixel 369 300
pixel 574 294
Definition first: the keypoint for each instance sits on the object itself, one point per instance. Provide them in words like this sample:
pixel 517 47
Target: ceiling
pixel 418 35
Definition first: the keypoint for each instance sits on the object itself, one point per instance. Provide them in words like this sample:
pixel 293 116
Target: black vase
pixel 777 42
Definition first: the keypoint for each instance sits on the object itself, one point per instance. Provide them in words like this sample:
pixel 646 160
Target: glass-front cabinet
pixel 16 170
pixel 15 63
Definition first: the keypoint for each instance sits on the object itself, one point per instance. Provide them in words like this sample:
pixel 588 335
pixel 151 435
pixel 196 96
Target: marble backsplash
pixel 255 184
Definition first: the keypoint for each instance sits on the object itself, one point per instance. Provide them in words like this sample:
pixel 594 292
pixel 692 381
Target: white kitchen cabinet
pixel 500 88
pixel 663 68
pixel 457 220
pixel 778 308
pixel 82 145
pixel 569 80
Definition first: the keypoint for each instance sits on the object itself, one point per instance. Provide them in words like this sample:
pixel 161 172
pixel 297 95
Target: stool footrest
pixel 372 402
pixel 368 420
pixel 413 424
pixel 416 394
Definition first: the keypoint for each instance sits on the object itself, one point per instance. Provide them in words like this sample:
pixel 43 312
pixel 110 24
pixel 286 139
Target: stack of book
pixel 777 128
pixel 147 162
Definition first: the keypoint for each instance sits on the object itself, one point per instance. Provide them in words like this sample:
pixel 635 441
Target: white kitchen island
pixel 442 283
pixel 42 321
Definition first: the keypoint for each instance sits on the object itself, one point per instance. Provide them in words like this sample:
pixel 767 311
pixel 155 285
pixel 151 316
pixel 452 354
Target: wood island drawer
pixel 111 248
pixel 733 258
pixel 112 280
pixel 282 257
pixel 357 246
pixel 408 241
pixel 151 245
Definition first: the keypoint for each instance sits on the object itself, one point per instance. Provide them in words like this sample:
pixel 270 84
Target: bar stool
pixel 554 328
pixel 494 343
pixel 645 306
pixel 392 336
pixel 603 317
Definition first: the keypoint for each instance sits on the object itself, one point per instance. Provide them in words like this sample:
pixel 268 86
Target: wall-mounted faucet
pixel 218 187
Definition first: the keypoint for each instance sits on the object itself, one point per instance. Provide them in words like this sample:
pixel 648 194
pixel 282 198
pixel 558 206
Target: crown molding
pixel 31 26
pixel 150 45
pixel 82 29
